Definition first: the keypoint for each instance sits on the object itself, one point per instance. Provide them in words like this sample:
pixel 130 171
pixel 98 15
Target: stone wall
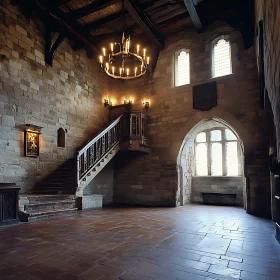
pixel 103 184
pixel 69 95
pixel 269 12
pixel 152 179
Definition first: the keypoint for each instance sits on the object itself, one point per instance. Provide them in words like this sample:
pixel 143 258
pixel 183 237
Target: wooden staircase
pixel 56 194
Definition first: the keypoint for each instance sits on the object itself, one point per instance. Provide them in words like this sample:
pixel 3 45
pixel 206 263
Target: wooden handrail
pixel 98 136
pixel 98 147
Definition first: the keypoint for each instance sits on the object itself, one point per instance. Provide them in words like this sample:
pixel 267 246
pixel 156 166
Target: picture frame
pixel 31 143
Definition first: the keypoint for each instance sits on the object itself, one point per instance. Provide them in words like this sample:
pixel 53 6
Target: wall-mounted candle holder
pixel 146 105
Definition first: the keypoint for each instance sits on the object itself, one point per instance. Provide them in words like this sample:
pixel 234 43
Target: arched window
pixel 221 57
pixel 217 153
pixel 182 68
pixel 61 137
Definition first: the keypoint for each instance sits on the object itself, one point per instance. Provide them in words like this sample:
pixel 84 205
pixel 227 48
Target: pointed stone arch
pixel 185 159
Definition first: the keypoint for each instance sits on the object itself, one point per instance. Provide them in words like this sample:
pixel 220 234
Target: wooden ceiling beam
pixel 72 27
pixel 57 3
pixel 94 7
pixel 112 18
pixel 193 14
pixel 173 19
pixel 144 22
pixel 100 22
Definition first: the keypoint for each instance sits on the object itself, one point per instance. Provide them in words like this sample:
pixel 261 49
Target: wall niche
pixel 61 137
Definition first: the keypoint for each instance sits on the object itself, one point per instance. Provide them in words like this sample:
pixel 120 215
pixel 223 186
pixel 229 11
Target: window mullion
pixel 209 159
pixel 224 153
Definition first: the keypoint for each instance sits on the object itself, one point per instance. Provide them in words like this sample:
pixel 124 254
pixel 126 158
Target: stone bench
pixel 90 201
pixel 216 198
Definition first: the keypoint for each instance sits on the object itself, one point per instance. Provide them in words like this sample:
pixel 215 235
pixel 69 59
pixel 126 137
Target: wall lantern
pixel 146 105
pixel 32 140
pixel 106 103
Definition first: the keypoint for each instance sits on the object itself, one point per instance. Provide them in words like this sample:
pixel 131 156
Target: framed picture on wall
pixel 31 143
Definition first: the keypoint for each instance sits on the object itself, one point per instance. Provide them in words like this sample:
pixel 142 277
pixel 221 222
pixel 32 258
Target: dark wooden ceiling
pixel 104 17
pixel 95 22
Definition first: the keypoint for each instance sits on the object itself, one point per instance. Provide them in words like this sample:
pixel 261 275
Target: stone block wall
pixel 222 185
pixel 103 184
pixel 154 180
pixel 69 95
pixel 269 12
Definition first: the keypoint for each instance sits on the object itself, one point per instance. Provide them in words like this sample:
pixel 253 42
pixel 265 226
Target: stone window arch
pixel 61 137
pixel 190 185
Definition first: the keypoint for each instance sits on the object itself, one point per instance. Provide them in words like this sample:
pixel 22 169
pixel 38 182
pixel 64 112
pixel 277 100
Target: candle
pixel 120 71
pixel 104 51
pixel 144 52
pixel 107 65
pixel 135 71
pixel 113 70
pixel 138 49
pixel 128 45
pixel 101 59
pixel 127 71
pixel 112 47
pixel 148 60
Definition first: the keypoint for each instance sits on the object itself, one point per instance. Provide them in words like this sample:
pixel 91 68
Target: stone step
pixel 45 198
pixel 54 191
pixel 37 215
pixel 50 205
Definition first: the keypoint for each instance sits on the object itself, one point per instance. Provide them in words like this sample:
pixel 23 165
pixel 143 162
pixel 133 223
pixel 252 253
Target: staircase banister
pixel 98 136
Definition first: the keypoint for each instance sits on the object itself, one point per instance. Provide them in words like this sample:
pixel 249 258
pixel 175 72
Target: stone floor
pixel 192 242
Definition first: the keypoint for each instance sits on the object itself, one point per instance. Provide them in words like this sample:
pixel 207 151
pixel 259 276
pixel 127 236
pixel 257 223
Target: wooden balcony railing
pixel 139 127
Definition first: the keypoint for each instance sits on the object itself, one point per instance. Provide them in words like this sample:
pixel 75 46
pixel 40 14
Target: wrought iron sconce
pixel 107 103
pixel 129 102
pixel 146 105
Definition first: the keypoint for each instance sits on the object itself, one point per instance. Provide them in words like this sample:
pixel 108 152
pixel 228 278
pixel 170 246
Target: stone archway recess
pixel 185 159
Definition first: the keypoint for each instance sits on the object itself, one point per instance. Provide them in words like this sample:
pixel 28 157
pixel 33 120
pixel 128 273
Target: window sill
pixel 185 85
pixel 222 77
pixel 196 176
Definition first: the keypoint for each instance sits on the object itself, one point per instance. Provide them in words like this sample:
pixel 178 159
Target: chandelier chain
pixel 122 16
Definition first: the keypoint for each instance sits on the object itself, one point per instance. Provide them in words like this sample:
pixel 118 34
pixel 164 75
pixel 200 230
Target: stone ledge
pixel 92 201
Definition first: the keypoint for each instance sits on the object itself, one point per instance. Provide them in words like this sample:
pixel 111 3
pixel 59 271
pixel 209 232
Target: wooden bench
pixel 8 203
pixel 216 198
